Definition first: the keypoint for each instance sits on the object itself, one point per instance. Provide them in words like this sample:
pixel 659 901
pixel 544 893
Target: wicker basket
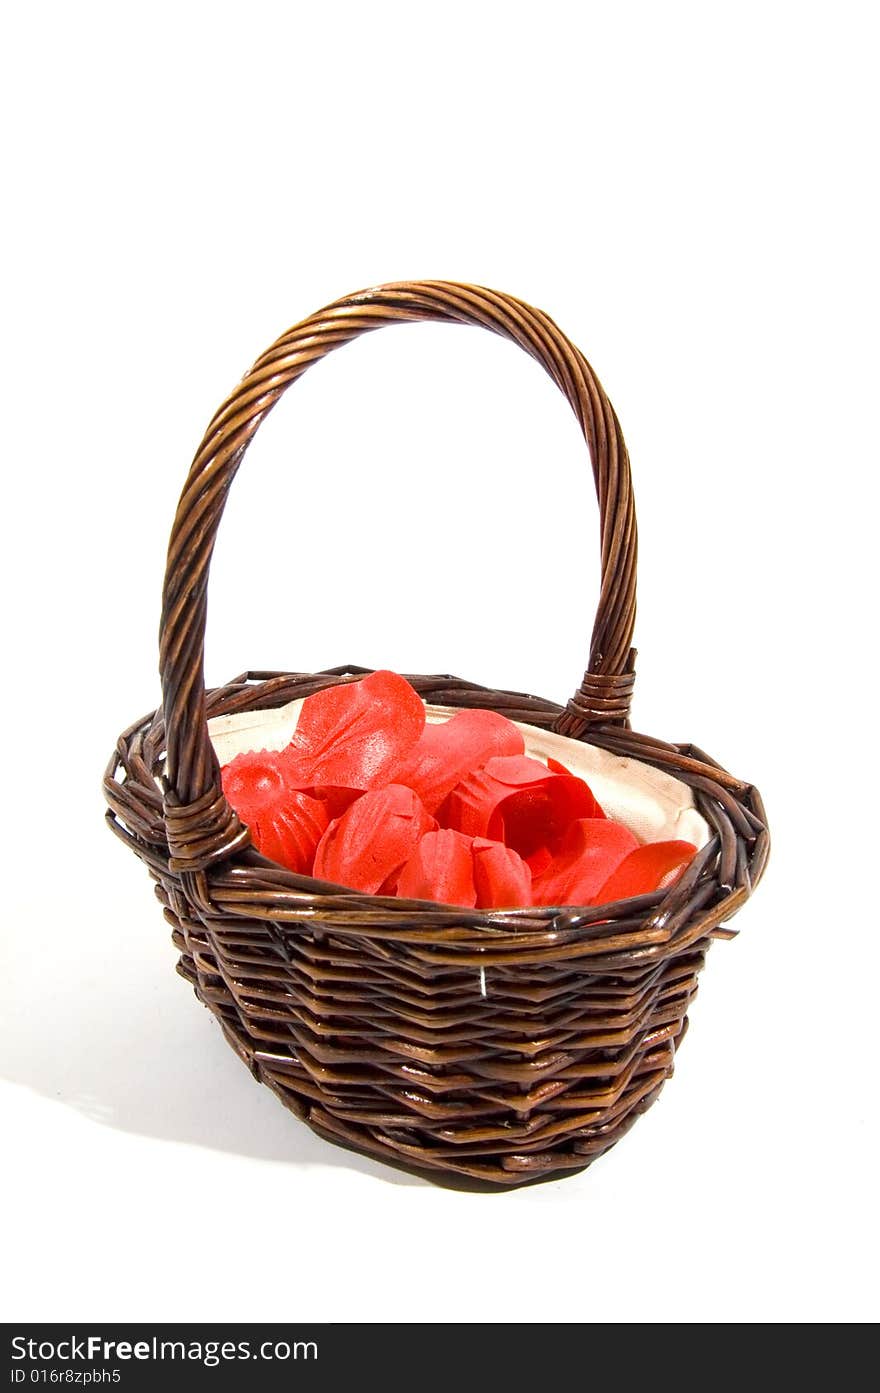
pixel 504 1045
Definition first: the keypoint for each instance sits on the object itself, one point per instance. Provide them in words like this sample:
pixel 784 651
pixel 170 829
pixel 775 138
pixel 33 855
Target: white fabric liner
pixel 653 804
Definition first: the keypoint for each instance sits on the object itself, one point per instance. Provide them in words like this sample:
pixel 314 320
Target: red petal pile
pixel 371 796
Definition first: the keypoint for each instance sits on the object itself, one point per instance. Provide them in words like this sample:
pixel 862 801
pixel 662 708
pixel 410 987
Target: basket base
pixel 483 1173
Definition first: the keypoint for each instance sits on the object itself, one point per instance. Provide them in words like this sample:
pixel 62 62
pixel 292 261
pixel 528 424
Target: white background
pixel 690 191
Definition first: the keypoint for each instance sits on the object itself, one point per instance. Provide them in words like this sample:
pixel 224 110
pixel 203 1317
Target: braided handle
pixel 201 826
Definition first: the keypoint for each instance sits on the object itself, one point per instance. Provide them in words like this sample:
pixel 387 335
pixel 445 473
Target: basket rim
pixel 243 885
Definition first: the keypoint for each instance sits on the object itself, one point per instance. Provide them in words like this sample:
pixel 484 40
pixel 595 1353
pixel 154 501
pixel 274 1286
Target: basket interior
pixel 653 804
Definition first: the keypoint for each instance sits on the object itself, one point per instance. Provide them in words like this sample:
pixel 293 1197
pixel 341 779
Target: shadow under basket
pixel 500 1045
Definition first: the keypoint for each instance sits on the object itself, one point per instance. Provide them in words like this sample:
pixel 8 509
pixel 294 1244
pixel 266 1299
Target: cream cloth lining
pixel 653 804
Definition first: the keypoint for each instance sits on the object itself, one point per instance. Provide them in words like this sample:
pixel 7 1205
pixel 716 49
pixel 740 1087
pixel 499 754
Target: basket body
pixel 499 1046
pixel 502 1045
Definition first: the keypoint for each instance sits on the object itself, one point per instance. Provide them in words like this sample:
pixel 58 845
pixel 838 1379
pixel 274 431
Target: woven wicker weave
pixel 503 1045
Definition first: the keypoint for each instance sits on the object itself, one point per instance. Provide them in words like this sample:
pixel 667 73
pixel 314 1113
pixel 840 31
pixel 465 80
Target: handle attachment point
pixel 601 699
pixel 202 832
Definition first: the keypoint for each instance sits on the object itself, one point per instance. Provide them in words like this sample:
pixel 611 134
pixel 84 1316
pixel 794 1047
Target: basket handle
pixel 201 826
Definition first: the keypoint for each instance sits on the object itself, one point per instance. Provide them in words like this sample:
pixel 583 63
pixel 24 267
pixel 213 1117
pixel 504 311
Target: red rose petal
pixel 254 783
pixel 555 767
pixel 441 868
pixel 648 868
pixel 291 837
pixel 519 801
pixel 354 735
pixel 445 753
pixel 501 877
pixel 372 839
pixel 539 860
pixel 560 769
pixel 472 802
pixel 285 823
pixel 591 851
pixel 336 800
